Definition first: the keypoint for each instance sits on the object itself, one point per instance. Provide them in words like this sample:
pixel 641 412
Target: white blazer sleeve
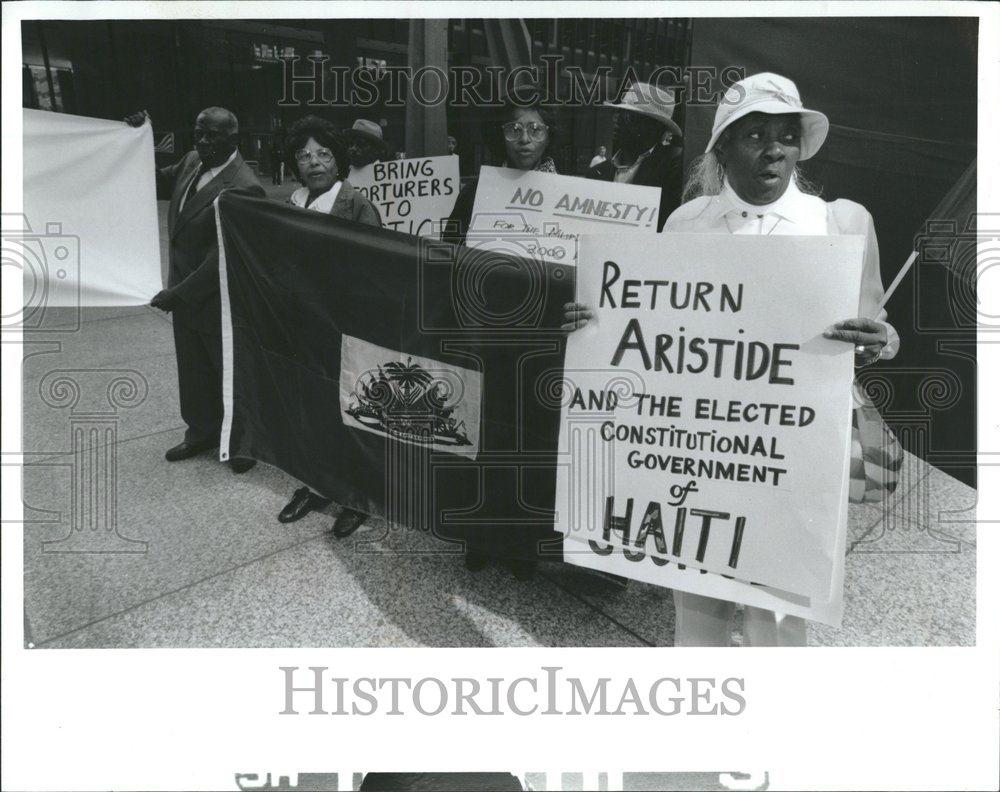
pixel 852 218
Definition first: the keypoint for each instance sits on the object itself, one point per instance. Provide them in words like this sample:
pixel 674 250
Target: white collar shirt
pixel 207 176
pixel 794 213
pixel 322 203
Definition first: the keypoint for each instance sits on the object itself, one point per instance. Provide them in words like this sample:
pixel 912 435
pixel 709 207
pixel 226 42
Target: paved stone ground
pixel 204 563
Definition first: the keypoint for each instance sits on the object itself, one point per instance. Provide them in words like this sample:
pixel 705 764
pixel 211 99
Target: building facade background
pixel 173 69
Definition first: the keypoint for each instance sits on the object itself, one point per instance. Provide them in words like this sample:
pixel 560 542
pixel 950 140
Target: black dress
pixel 511 521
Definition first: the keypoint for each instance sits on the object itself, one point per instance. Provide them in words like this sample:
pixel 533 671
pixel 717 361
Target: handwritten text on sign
pixel 706 421
pixel 412 195
pixel 540 215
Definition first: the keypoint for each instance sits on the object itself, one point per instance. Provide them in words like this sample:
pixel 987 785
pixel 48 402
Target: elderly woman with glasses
pixel 527 133
pixel 317 155
pixel 748 182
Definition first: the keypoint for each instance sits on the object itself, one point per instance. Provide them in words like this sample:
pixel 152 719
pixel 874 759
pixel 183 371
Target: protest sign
pixel 89 234
pixel 540 215
pixel 706 421
pixel 413 195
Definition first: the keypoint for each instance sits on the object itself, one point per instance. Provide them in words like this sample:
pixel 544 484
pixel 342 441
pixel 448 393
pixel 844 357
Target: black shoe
pixel 186 450
pixel 303 501
pixel 475 561
pixel 241 464
pixel 347 522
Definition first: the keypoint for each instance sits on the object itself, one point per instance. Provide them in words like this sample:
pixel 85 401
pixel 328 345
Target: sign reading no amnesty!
pixel 539 216
pixel 705 434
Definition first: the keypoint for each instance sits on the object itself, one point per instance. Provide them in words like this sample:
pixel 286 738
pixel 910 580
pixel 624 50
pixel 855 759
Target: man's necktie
pixel 193 187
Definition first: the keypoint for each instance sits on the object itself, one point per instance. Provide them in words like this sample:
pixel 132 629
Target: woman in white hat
pixel 747 182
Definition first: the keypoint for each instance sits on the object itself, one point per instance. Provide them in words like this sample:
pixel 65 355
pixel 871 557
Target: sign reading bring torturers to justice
pixel 412 195
pixel 540 215
pixel 706 420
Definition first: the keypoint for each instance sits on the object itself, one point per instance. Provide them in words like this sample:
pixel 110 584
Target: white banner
pixel 89 234
pixel 706 421
pixel 414 196
pixel 540 215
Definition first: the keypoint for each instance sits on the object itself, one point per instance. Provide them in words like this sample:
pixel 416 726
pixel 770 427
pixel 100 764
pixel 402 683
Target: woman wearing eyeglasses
pixel 317 155
pixel 527 134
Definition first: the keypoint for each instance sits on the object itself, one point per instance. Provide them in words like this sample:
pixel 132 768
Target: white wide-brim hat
pixel 649 100
pixel 775 95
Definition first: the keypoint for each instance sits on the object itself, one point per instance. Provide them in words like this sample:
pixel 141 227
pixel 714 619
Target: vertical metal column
pixel 427 126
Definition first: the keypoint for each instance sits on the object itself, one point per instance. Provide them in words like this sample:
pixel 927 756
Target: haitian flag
pixel 403 377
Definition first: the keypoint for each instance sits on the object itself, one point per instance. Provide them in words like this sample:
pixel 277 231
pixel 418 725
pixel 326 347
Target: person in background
pixel 277 160
pixel 747 182
pixel 648 146
pixel 600 156
pixel 527 133
pixel 452 145
pixel 192 293
pixel 365 144
pixel 318 157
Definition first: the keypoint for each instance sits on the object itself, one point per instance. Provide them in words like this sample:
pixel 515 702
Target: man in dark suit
pixel 648 146
pixel 192 293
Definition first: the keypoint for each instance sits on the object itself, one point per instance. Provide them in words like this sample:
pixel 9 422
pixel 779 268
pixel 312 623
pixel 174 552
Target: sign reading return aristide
pixel 706 421
pixel 539 215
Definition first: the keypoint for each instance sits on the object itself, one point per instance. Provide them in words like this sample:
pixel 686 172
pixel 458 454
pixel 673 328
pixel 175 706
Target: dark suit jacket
pixel 664 168
pixel 457 224
pixel 194 249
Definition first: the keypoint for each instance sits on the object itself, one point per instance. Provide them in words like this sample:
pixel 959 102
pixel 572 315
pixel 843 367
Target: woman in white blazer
pixel 747 182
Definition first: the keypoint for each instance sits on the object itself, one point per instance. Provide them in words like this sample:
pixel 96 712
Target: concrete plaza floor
pixel 190 555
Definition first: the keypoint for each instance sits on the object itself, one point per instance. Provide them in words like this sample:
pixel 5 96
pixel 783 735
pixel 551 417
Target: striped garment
pixel 876 455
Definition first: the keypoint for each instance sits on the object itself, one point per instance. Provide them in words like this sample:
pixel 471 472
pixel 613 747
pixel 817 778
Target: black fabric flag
pixel 403 377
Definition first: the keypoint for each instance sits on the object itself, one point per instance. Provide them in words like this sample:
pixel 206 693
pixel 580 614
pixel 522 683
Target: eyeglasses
pixel 513 130
pixel 303 157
